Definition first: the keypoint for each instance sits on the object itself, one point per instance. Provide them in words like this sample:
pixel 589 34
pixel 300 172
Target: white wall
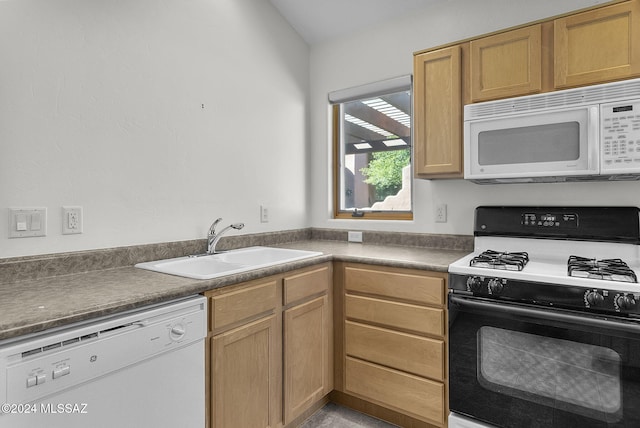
pixel 101 105
pixel 386 51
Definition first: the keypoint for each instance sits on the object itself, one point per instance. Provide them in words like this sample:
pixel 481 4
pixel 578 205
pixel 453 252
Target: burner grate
pixel 500 260
pixel 607 269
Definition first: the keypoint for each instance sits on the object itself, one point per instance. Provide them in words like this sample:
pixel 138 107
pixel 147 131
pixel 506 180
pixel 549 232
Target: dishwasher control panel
pixel 62 361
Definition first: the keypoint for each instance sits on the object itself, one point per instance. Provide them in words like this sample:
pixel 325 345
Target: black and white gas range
pixel 544 319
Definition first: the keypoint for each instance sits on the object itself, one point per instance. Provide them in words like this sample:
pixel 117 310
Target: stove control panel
pixel 559 220
pixel 620 148
pixel 548 295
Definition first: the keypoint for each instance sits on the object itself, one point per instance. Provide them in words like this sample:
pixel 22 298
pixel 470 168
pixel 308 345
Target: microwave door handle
pixel 593 138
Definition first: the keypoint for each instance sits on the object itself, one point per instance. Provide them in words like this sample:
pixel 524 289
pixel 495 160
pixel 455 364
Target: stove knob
pixel 495 286
pixel 626 301
pixel 594 298
pixel 474 284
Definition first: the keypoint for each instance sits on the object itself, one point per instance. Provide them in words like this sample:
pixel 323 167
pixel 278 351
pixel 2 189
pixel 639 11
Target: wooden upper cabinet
pixel 438 113
pixel 597 46
pixel 506 65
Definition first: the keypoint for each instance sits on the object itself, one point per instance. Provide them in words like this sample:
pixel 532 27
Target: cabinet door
pixel 308 371
pixel 438 113
pixel 507 64
pixel 597 46
pixel 245 391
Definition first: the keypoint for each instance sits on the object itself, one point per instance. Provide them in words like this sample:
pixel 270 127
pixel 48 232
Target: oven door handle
pixel 558 315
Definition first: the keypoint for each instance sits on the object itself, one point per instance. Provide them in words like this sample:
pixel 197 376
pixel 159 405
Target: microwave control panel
pixel 620 148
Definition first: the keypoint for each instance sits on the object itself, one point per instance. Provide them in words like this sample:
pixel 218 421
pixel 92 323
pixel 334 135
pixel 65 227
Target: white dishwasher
pixel 141 368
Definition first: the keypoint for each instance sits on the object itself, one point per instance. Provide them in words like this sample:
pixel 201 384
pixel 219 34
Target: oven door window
pixel 577 377
pixel 513 371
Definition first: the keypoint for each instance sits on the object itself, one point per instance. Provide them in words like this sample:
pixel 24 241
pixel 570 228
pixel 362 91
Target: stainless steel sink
pixel 227 263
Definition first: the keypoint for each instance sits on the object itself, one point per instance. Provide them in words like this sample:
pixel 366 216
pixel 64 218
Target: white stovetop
pixel 548 261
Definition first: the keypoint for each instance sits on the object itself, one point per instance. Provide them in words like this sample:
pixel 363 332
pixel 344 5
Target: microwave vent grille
pixel 627 89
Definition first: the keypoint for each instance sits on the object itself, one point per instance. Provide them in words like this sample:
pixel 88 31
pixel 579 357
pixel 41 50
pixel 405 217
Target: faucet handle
pixel 212 228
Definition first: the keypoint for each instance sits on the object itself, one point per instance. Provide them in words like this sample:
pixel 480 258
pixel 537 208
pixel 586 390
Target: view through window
pixel 373 156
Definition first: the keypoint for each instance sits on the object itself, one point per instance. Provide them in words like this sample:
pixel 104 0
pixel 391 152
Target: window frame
pixel 336 130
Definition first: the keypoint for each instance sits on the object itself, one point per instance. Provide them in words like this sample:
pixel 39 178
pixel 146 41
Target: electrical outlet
pixel 354 236
pixel 264 214
pixel 441 213
pixel 71 220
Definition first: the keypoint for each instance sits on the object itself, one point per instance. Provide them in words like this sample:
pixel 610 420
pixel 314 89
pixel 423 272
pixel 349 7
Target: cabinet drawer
pixel 414 354
pixel 417 397
pixel 245 303
pixel 398 285
pixel 306 284
pixel 403 316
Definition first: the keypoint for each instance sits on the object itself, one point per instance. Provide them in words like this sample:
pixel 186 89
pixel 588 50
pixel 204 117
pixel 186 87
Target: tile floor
pixel 334 416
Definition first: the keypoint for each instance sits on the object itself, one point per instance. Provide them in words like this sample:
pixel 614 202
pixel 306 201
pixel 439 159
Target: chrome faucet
pixel 213 237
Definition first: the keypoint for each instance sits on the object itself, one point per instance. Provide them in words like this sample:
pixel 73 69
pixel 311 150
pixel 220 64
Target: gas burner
pixel 607 269
pixel 500 260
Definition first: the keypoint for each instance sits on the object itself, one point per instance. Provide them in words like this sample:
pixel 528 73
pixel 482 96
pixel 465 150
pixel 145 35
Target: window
pixel 372 151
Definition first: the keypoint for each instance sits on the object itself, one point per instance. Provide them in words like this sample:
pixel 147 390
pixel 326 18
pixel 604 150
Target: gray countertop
pixel 29 306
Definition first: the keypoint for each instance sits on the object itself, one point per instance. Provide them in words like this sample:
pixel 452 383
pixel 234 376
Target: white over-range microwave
pixel 589 133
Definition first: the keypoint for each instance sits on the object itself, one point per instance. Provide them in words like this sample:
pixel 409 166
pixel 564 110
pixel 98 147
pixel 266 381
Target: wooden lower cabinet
pixel 413 354
pixel 245 388
pixel 412 395
pixel 270 349
pixel 370 337
pixel 308 374
pixel 391 343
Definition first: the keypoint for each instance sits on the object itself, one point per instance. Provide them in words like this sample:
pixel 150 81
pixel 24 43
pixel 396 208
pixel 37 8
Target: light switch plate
pixel 27 222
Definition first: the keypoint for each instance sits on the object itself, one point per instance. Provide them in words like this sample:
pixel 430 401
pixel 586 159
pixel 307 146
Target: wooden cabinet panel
pixel 416 396
pixel 243 304
pixel 598 45
pixel 244 387
pixel 306 284
pixel 507 64
pixel 398 315
pixel 397 284
pixel 263 352
pixel 413 354
pixel 386 363
pixel 437 90
pixel 307 356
